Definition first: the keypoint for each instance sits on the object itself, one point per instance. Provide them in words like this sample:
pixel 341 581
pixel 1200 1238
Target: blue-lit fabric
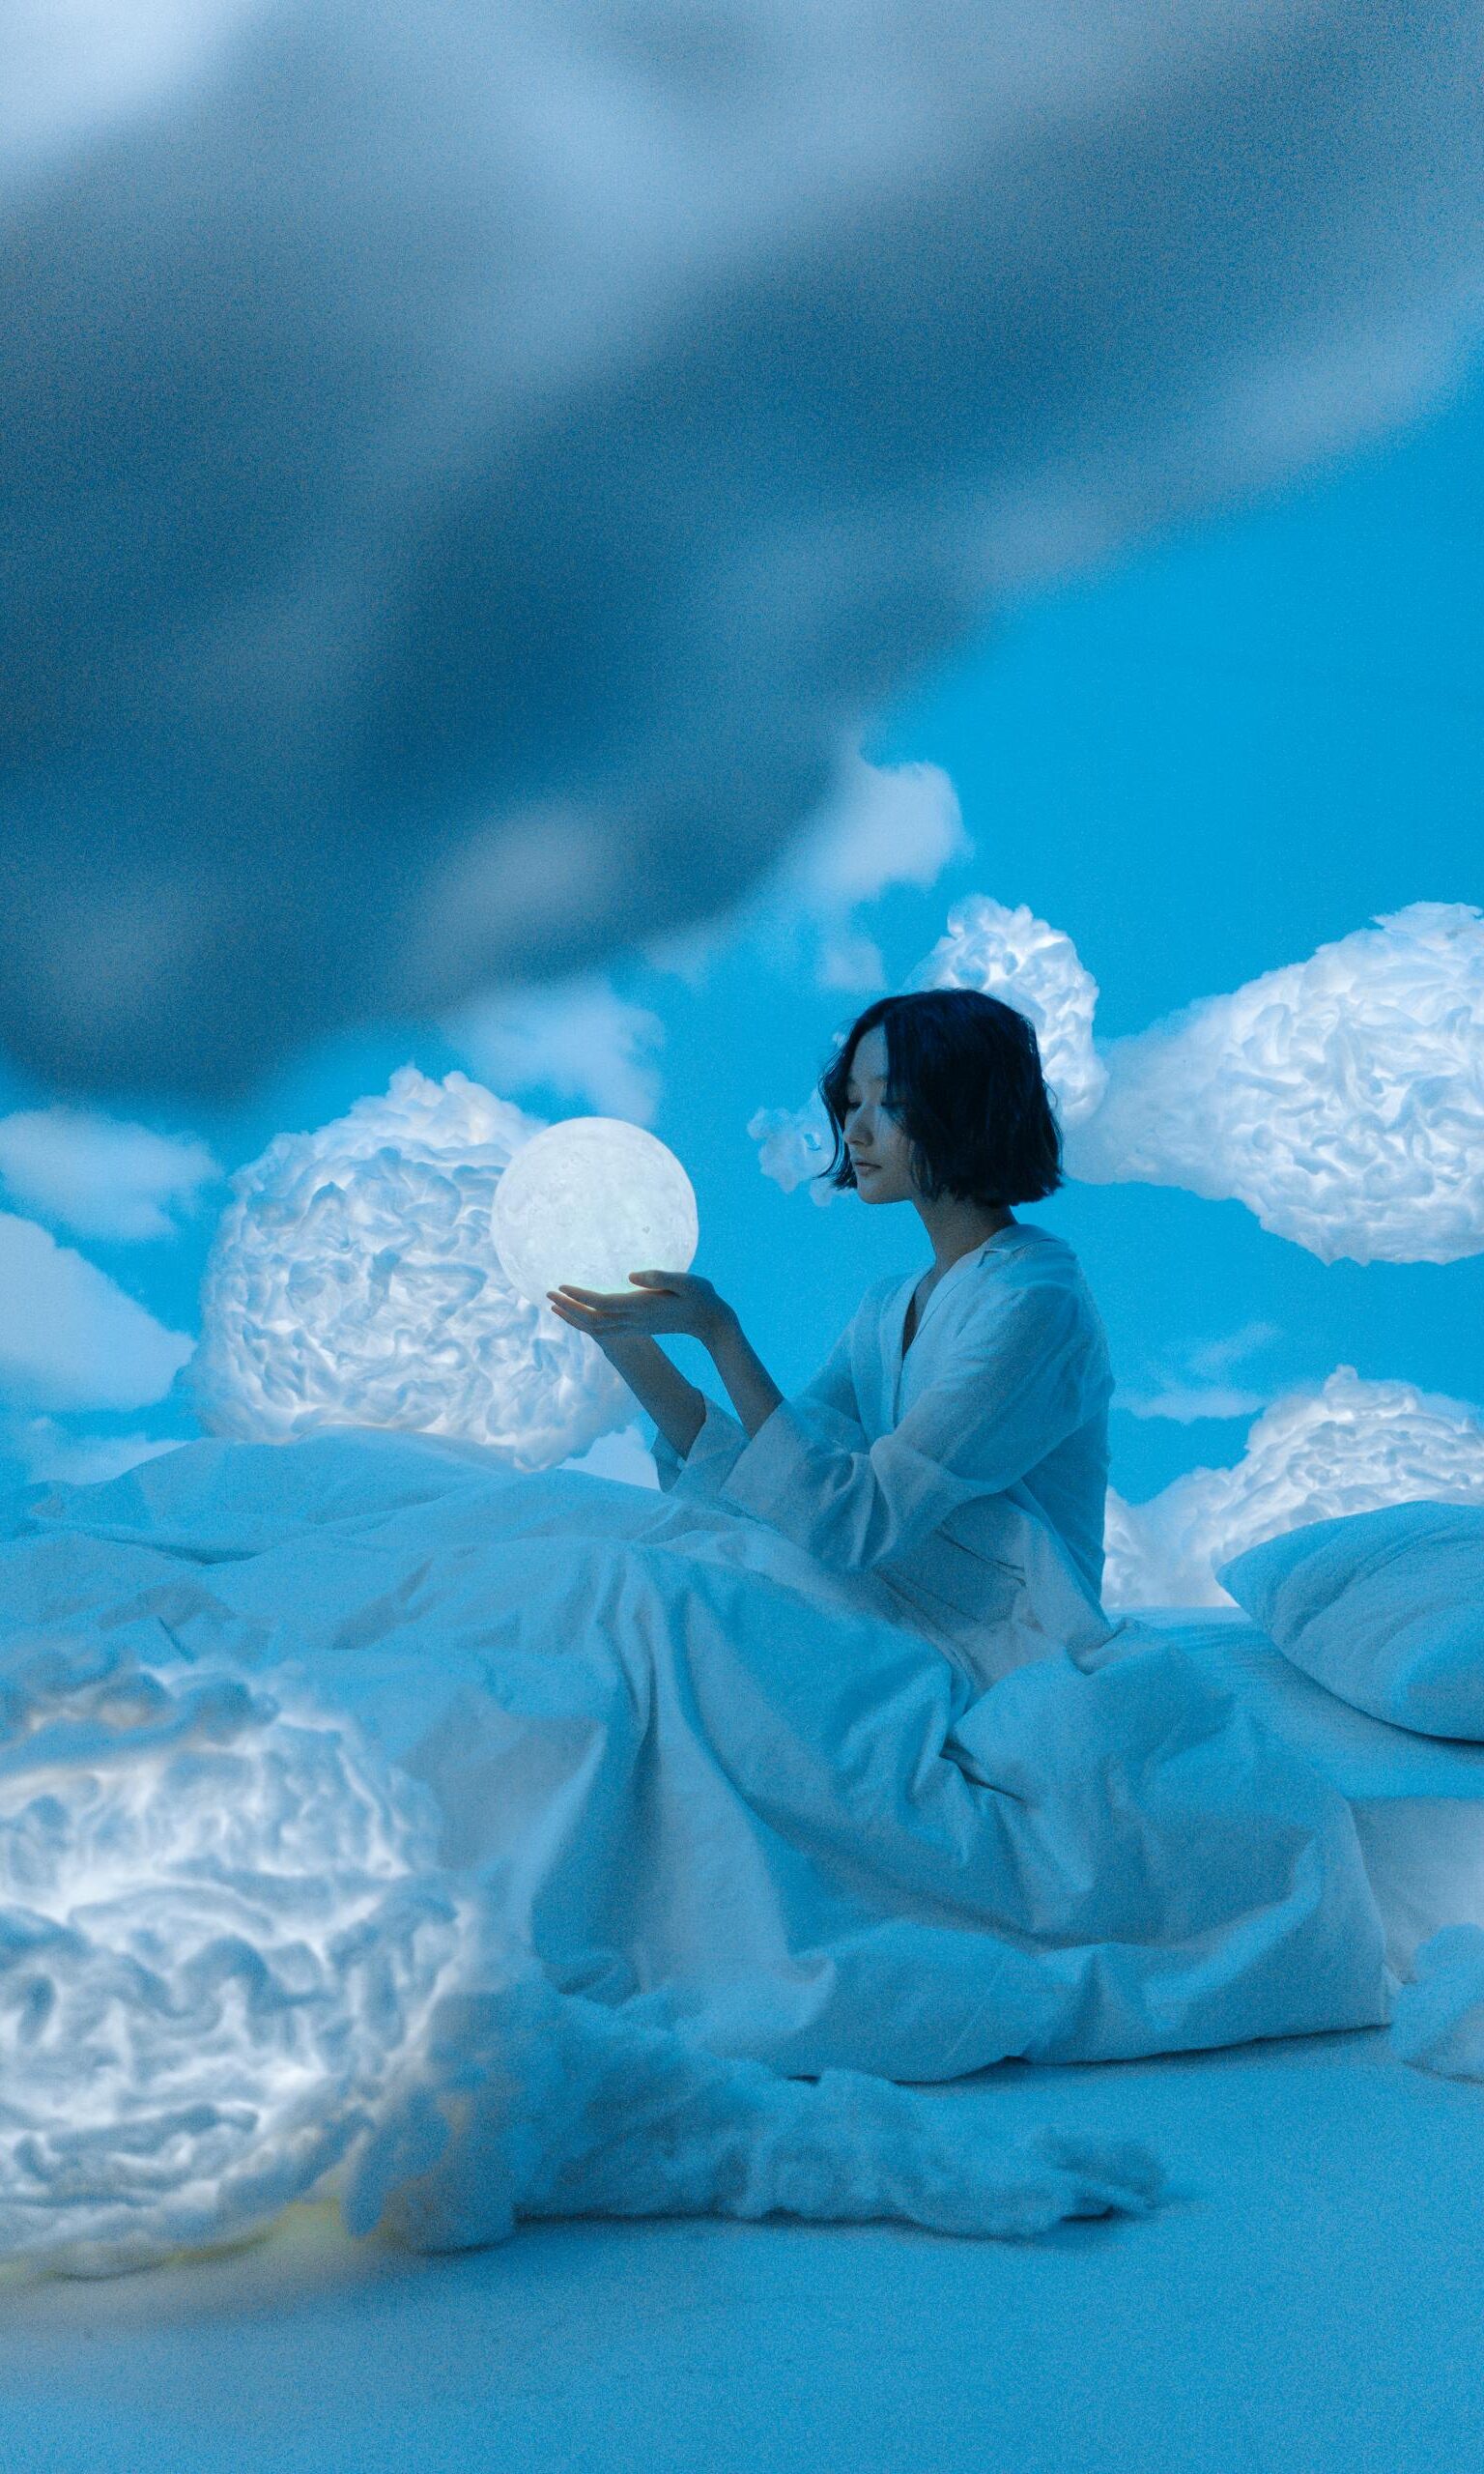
pixel 968 1474
pixel 712 1782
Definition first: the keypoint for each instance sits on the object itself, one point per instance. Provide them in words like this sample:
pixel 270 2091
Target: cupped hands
pixel 654 1302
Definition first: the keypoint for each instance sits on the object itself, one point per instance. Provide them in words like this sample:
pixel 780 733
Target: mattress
pixel 1418 1802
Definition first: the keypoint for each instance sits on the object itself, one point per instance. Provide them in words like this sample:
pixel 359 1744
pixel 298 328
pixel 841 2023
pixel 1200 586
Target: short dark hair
pixel 965 1083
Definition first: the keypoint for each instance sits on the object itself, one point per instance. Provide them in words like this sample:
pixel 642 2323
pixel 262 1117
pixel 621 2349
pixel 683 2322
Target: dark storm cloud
pixel 467 473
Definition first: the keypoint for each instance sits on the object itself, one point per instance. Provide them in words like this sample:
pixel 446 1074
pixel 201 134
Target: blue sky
pixel 1200 763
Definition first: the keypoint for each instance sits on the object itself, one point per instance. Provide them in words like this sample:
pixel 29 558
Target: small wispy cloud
pixel 888 825
pixel 49 1451
pixel 884 825
pixel 70 1337
pixel 1211 1358
pixel 1191 1385
pixel 101 1176
pixel 577 1037
pixel 624 1456
pixel 1184 1404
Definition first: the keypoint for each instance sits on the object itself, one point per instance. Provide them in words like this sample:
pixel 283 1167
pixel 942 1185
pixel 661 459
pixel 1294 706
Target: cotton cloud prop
pixel 996 950
pixel 215 1946
pixel 470 472
pixel 1010 954
pixel 531 2105
pixel 355 1281
pixel 1341 1099
pixel 1341 1447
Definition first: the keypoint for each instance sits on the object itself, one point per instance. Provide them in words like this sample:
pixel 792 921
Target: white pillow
pixel 1386 1609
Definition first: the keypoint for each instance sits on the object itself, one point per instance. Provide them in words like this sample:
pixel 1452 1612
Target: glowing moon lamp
pixel 588 1202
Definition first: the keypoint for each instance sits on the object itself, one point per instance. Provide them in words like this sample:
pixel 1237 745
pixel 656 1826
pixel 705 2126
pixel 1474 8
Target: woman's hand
pixel 655 1302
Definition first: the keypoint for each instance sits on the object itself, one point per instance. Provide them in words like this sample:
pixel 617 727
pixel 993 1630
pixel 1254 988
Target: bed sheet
pixel 1418 1802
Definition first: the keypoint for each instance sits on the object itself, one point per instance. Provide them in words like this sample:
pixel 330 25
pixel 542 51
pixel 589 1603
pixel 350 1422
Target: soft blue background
pixel 1234 746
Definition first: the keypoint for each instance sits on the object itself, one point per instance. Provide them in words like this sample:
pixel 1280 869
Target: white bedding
pixel 1417 1801
pixel 745 1825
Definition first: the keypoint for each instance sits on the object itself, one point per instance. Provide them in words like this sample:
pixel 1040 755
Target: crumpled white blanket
pixel 488 1846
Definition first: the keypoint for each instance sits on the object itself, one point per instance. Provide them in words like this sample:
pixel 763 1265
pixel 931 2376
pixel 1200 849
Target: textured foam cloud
pixel 97 1176
pixel 220 1931
pixel 1341 1447
pixel 1341 1099
pixel 353 1281
pixel 70 1337
pixel 456 528
pixel 579 1039
pixel 530 2105
pixel 1010 954
pixel 1013 954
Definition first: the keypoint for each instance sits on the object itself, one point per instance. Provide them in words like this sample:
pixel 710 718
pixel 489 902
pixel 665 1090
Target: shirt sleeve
pixel 719 1439
pixel 722 1438
pixel 1019 1389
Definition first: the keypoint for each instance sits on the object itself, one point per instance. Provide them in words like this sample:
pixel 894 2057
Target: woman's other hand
pixel 655 1302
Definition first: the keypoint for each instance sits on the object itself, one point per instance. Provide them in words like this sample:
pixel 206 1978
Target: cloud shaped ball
pixel 355 1281
pixel 1009 954
pixel 220 1934
pixel 1341 1099
pixel 1016 957
pixel 1343 1446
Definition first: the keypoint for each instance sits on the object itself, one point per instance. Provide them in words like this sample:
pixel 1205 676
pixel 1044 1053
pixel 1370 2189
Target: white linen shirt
pixel 969 1476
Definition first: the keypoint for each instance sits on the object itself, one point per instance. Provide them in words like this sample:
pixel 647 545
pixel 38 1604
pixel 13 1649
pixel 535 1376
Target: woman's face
pixel 879 1149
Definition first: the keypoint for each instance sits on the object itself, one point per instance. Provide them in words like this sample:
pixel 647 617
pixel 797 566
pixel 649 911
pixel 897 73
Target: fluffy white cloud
pixel 1338 1447
pixel 578 1037
pixel 883 825
pixel 353 1281
pixel 1010 954
pixel 1015 956
pixel 228 1949
pixel 98 1177
pixel 1339 1097
pixel 70 1337
pixel 896 824
pixel 513 450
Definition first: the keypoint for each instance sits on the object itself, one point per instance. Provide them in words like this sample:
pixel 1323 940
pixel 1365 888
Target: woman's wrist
pixel 755 1395
pixel 724 1326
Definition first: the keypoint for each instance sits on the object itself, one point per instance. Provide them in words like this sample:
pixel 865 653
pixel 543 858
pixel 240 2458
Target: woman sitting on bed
pixel 898 1458
pixel 827 1755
